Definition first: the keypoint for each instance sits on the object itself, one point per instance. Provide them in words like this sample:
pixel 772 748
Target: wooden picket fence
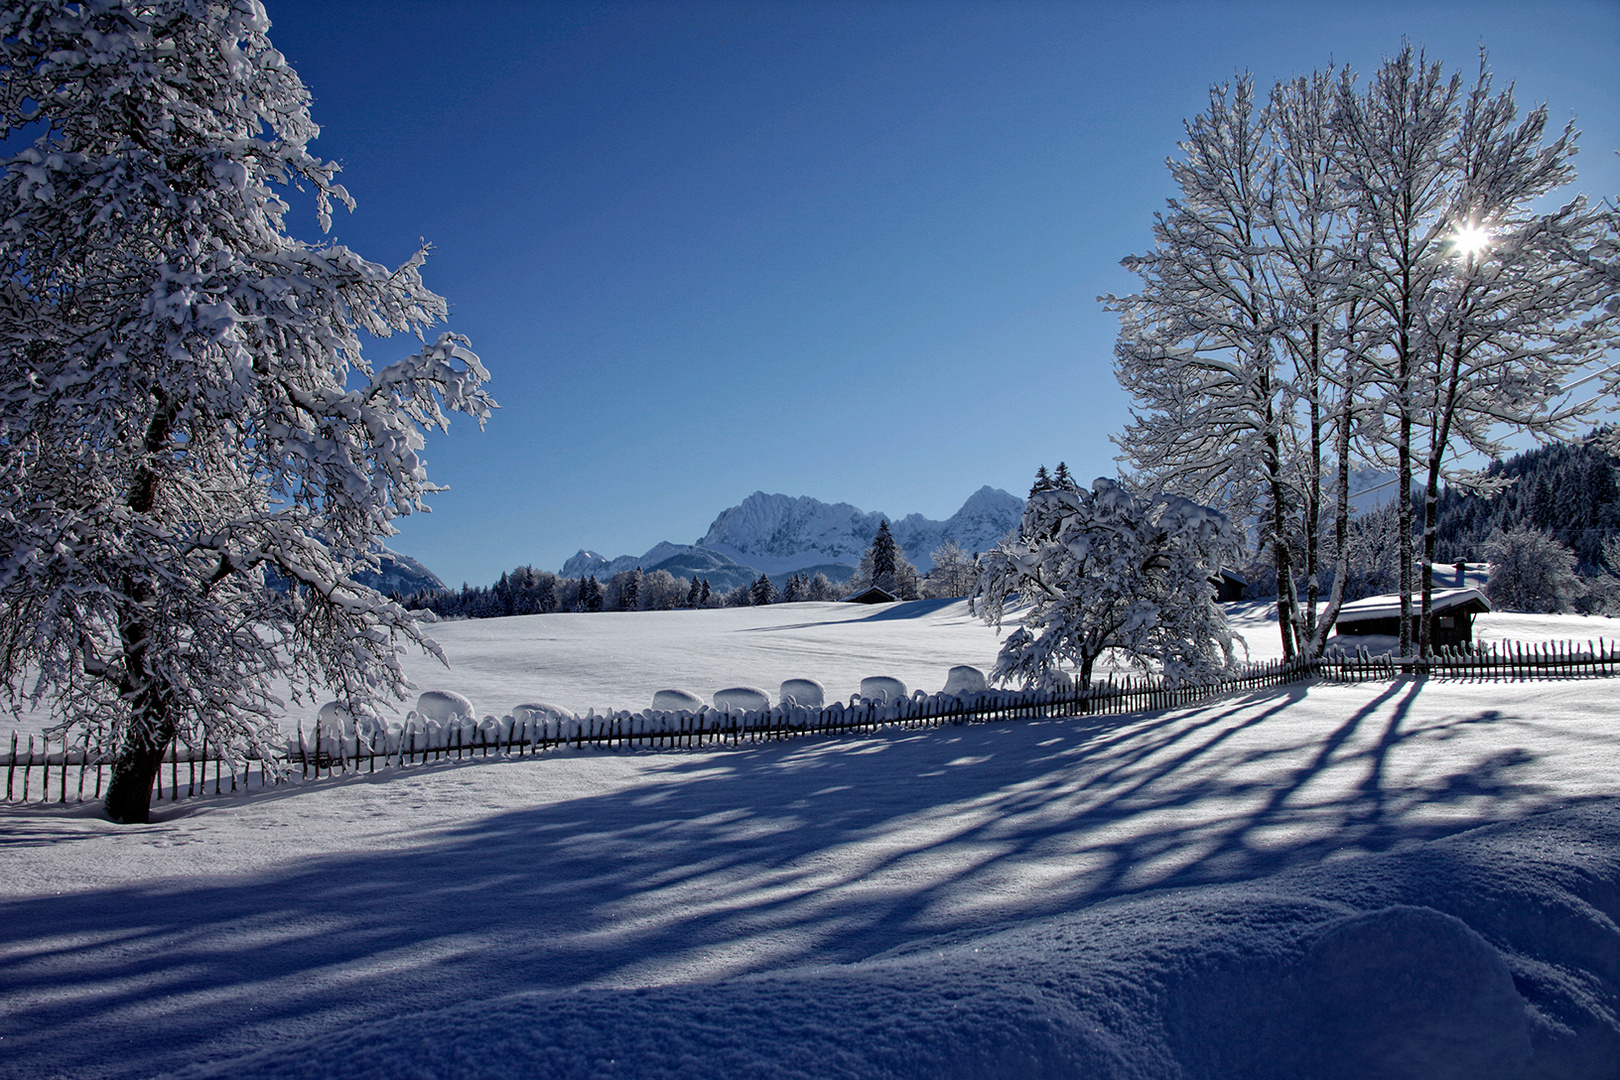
pixel 1510 660
pixel 75 770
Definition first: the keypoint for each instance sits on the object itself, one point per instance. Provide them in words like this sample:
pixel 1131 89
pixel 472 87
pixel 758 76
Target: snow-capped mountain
pixel 681 560
pixel 400 574
pixel 782 534
pixel 584 563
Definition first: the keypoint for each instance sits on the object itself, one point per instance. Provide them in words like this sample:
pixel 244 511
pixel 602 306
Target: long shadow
pixel 717 864
pixel 907 609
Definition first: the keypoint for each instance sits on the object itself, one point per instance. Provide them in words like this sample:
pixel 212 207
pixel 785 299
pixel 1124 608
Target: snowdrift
pixel 1490 954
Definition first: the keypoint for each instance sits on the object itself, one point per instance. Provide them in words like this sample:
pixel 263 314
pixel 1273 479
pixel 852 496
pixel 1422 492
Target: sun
pixel 1471 240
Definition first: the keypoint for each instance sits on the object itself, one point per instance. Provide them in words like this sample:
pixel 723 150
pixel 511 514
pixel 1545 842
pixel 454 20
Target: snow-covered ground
pixel 619 660
pixel 1417 879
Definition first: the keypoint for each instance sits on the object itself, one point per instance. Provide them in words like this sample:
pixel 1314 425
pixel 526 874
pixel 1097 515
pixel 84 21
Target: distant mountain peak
pixel 773 533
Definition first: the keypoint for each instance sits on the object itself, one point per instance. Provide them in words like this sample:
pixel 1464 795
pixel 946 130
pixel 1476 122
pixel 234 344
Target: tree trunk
pixel 129 791
pixel 1440 435
pixel 1341 538
pixel 152 719
pixel 1287 593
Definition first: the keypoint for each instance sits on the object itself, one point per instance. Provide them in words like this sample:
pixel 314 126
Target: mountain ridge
pixel 782 534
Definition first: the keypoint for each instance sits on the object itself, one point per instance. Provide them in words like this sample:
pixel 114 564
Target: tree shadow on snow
pixel 748 860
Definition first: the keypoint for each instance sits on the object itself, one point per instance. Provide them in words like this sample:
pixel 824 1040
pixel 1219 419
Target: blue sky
pixel 837 249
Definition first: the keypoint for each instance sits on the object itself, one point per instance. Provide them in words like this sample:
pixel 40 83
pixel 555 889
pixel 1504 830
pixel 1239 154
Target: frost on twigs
pixel 1109 570
pixel 195 456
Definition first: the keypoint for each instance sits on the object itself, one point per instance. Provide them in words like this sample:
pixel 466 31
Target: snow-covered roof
pixel 1389 605
pixel 874 595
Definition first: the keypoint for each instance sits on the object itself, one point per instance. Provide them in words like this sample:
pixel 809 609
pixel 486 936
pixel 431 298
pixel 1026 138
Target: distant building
pixel 1229 586
pixel 1452 614
pixel 874 595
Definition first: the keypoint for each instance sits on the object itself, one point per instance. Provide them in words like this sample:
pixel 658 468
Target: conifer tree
pixel 884 553
pixel 762 592
pixel 629 590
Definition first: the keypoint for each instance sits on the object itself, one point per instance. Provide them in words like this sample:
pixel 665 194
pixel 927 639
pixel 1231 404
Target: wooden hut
pixel 874 595
pixel 1451 616
pixel 1229 586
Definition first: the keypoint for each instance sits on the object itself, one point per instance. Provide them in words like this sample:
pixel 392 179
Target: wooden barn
pixel 1452 614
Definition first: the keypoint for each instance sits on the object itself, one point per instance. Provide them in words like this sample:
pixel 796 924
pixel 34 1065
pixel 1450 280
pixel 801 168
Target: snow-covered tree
pixel 1486 316
pixel 955 571
pixel 694 593
pixel 661 591
pixel 590 595
pixel 1197 347
pixel 1394 155
pixel 1320 329
pixel 795 588
pixel 885 565
pixel 762 592
pixel 1356 272
pixel 624 589
pixel 195 453
pixel 885 552
pixel 1530 571
pixel 1107 570
pixel 822 588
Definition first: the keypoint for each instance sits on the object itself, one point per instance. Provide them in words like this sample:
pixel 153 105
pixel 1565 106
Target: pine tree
pixel 884 555
pixel 703 597
pixel 590 594
pixel 795 588
pixel 762 592
pixel 1043 482
pixel 1062 480
pixel 629 589
pixel 694 594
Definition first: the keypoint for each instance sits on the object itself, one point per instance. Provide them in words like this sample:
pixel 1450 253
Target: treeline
pixel 527 591
pixel 1565 490
pixel 1554 512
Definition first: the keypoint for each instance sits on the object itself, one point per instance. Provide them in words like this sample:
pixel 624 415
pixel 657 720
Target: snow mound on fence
pixel 964 679
pixel 444 707
pixel 1488 955
pixel 676 700
pixel 881 689
pixel 805 692
pixel 742 699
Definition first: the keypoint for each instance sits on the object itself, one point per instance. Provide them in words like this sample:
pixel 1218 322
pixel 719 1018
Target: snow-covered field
pixel 1417 879
pixel 619 660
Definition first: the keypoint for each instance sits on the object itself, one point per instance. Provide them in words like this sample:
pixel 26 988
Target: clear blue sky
pixel 840 249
